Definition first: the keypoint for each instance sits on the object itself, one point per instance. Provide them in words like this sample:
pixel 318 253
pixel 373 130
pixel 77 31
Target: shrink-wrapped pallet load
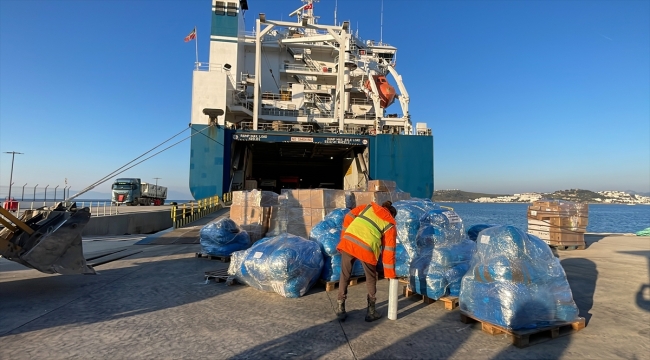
pixel 252 211
pixel 286 264
pixel 408 217
pixel 222 238
pixel 558 222
pixel 443 255
pixel 298 210
pixel 514 281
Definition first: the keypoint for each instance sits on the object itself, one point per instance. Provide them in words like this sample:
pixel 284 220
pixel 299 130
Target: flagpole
pixel 196 44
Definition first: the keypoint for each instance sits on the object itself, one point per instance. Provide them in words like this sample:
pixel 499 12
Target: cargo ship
pixel 298 104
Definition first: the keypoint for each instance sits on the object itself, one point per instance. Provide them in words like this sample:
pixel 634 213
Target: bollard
pixel 393 284
pixel 104 208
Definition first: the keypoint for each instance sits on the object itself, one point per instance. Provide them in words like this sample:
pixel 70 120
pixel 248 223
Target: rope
pixel 123 169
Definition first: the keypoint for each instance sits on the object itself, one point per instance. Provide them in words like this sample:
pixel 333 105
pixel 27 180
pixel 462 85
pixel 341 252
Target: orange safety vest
pixel 366 229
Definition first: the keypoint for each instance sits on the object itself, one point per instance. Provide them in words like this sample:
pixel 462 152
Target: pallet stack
pixel 251 211
pixel 299 210
pixel 378 192
pixel 560 224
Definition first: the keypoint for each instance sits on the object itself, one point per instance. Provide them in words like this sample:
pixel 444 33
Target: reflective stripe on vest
pixel 368 227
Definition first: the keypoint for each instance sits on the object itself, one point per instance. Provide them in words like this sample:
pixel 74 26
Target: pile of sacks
pixel 443 254
pixel 222 238
pixel 286 264
pixel 327 233
pixel 515 281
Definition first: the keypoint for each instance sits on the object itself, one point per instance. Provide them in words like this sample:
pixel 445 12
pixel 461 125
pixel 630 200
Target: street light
pixel 22 198
pixel 45 200
pixel 55 192
pixel 156 191
pixel 34 199
pixel 11 175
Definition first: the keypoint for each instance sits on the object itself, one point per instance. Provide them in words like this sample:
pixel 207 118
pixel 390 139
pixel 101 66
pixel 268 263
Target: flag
pixel 308 6
pixel 191 36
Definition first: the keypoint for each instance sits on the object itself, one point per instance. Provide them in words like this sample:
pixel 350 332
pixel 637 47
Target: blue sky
pixel 521 95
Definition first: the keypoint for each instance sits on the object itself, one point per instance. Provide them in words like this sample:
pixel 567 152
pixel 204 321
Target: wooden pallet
pixel 220 275
pixel 331 285
pixel 524 338
pixel 451 302
pixel 213 257
pixel 569 247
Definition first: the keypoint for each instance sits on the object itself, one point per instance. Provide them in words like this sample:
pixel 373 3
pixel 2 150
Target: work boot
pixel 340 310
pixel 372 314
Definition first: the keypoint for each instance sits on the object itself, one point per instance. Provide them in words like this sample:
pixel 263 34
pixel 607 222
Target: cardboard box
pixel 366 197
pixel 301 230
pixel 327 198
pixel 382 185
pixel 575 222
pixel 254 198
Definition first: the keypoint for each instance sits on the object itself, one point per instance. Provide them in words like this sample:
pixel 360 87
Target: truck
pixel 132 191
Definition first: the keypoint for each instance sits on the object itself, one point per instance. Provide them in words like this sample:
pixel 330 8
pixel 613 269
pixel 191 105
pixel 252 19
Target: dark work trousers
pixel 347 261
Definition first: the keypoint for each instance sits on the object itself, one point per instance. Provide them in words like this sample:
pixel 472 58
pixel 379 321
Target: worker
pixel 366 230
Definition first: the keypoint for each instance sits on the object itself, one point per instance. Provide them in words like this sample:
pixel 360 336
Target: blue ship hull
pixel 405 159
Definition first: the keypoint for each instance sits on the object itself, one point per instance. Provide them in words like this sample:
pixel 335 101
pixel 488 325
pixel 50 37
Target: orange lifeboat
pixel 386 91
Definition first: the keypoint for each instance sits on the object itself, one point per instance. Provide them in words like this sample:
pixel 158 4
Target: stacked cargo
pixel 558 223
pixel 300 209
pixel 380 191
pixel 251 211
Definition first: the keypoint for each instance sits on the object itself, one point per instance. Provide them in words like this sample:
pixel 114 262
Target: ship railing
pixel 360 102
pixel 204 66
pixel 281 112
pixel 297 67
pixel 183 214
pixel 278 126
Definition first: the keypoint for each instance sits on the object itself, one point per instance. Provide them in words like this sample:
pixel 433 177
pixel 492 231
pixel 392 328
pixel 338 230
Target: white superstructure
pixel 298 76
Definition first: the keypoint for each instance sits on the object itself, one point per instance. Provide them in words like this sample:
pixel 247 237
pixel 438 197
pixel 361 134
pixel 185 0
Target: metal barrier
pixel 184 214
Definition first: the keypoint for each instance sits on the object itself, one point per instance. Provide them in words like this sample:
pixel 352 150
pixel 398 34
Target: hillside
pixel 575 195
pixel 458 195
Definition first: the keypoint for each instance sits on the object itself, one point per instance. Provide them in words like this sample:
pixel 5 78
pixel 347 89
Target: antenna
pixel 381 24
pixel 336 3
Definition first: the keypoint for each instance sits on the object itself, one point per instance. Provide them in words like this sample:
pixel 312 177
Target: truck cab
pixel 126 191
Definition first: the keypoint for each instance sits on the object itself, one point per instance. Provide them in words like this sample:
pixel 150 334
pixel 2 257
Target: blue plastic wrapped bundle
pixel 445 219
pixel 473 230
pixel 402 261
pixel 328 231
pixel 439 269
pixel 515 281
pixel 222 238
pixel 408 217
pixel 286 264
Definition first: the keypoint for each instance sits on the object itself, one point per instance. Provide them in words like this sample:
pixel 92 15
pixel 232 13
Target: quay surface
pixel 156 304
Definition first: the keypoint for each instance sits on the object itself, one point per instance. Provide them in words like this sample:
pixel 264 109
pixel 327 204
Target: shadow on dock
pixel 643 295
pixel 582 276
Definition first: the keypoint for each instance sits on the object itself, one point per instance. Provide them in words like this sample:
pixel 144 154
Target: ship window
pixel 232 9
pixel 220 8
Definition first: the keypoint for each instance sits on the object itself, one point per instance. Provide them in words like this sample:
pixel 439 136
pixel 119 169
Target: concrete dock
pixel 156 304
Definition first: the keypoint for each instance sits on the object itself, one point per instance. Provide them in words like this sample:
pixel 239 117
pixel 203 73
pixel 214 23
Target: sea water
pixel 603 218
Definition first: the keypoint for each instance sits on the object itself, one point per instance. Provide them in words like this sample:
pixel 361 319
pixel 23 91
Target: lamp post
pixel 156 191
pixel 55 192
pixel 45 200
pixel 34 199
pixel 11 174
pixel 22 198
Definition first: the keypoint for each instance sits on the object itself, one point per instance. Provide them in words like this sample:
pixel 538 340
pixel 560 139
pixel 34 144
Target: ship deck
pixel 156 304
